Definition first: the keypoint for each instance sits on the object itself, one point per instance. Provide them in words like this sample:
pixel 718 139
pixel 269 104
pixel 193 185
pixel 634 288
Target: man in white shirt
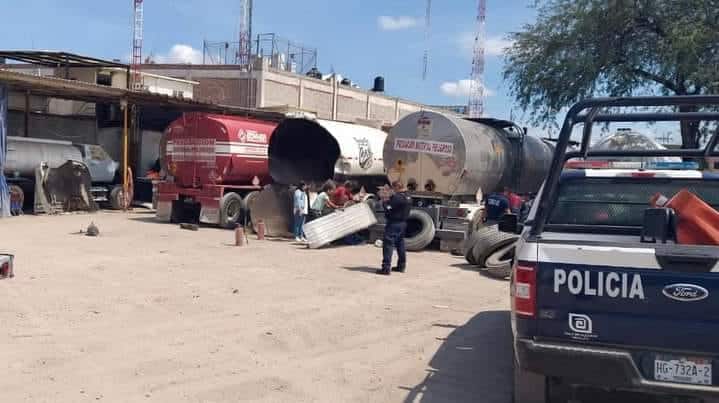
pixel 301 208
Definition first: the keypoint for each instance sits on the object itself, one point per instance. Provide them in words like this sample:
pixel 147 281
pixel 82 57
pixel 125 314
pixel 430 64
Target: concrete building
pixel 270 88
pixel 82 121
pixel 110 76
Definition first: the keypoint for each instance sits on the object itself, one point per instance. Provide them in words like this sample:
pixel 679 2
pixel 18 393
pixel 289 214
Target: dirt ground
pixel 148 312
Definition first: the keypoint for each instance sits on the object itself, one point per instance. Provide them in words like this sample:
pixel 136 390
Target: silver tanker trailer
pixel 447 162
pixel 24 156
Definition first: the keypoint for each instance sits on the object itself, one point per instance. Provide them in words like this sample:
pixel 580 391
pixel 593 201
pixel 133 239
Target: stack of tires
pixel 491 250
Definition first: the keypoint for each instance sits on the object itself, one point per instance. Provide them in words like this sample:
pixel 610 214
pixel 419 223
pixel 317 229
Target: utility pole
pixel 427 21
pixel 476 94
pixel 244 51
pixel 136 63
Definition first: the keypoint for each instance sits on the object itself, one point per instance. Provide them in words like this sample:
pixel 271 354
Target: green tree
pixel 582 48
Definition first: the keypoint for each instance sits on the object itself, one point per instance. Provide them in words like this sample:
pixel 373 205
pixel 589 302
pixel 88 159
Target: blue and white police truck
pixel 603 297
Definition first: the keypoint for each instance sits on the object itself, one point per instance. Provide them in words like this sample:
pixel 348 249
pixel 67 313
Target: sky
pixel 359 39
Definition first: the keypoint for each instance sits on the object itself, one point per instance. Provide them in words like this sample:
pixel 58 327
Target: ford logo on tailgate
pixel 685 292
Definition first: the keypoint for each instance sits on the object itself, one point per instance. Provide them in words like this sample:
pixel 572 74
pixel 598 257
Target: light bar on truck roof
pixel 655 165
pixel 683 165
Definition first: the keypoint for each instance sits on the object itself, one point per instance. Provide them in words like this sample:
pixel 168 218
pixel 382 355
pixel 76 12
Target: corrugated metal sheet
pixel 339 224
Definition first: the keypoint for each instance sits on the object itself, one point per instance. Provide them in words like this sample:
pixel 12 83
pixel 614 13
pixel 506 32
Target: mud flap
pixel 164 211
pixel 210 215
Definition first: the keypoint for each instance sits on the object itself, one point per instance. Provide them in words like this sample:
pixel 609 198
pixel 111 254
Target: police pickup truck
pixel 602 297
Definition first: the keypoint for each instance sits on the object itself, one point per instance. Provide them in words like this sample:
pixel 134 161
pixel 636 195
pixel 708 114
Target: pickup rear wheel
pixel 231 208
pixel 117 197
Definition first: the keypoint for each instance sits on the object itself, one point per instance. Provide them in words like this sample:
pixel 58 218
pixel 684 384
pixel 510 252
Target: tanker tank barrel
pixel 461 156
pixel 315 150
pixel 302 150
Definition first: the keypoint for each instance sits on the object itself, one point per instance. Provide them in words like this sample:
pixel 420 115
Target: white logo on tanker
pixel 599 283
pixel 424 146
pixel 365 153
pixel 251 136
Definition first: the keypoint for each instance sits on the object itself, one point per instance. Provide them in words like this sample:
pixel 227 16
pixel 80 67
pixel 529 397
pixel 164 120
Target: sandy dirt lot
pixel 151 313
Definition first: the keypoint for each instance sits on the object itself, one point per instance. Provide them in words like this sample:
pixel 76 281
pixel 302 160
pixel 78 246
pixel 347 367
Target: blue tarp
pixel 4 192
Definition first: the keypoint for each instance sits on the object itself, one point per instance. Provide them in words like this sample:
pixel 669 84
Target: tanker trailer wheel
pixel 231 208
pixel 117 198
pixel 420 230
pixel 17 199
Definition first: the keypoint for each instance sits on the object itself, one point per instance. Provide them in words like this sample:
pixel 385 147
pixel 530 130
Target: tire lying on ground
pixel 231 208
pixel 499 263
pixel 471 242
pixel 489 242
pixel 420 230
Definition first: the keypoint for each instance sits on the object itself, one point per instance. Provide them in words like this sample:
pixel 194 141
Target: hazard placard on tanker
pixel 424 146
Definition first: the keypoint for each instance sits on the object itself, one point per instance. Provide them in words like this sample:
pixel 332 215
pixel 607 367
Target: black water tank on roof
pixel 378 84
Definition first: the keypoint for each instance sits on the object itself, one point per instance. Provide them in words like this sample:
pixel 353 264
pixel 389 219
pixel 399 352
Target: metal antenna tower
pixel 427 21
pixel 476 92
pixel 136 63
pixel 244 52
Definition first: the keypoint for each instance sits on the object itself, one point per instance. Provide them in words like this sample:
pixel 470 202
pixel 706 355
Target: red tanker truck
pixel 214 165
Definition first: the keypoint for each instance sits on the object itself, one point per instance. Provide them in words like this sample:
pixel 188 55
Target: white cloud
pixel 181 54
pixel 460 89
pixel 388 23
pixel 497 46
pixel 494 45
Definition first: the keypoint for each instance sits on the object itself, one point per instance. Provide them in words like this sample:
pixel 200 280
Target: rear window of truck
pixel 620 202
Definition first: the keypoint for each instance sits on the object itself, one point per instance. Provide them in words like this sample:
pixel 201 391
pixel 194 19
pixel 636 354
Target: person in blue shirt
pixel 300 207
pixel 496 206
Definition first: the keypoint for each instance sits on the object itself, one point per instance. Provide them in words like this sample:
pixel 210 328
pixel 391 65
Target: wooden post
pixel 125 139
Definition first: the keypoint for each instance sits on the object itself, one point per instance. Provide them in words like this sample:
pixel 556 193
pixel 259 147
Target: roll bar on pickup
pixel 592 110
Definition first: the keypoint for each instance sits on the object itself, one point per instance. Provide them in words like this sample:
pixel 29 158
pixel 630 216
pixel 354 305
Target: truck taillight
pixel 525 289
pixel 6 268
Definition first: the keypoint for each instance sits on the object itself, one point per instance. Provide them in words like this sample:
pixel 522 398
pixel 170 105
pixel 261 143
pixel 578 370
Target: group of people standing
pixel 507 202
pixel 396 203
pixel 329 198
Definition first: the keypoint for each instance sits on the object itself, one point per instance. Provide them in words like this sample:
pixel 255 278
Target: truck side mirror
pixel 509 223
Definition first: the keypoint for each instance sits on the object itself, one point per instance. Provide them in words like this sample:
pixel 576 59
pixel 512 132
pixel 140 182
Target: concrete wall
pixel 148 149
pixel 273 88
pixel 317 97
pixel 227 91
pixel 75 129
pixel 156 84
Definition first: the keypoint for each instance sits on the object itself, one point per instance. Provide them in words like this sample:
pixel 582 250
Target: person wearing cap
pixel 397 205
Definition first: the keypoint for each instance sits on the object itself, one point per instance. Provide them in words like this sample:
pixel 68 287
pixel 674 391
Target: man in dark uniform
pixel 496 207
pixel 396 212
